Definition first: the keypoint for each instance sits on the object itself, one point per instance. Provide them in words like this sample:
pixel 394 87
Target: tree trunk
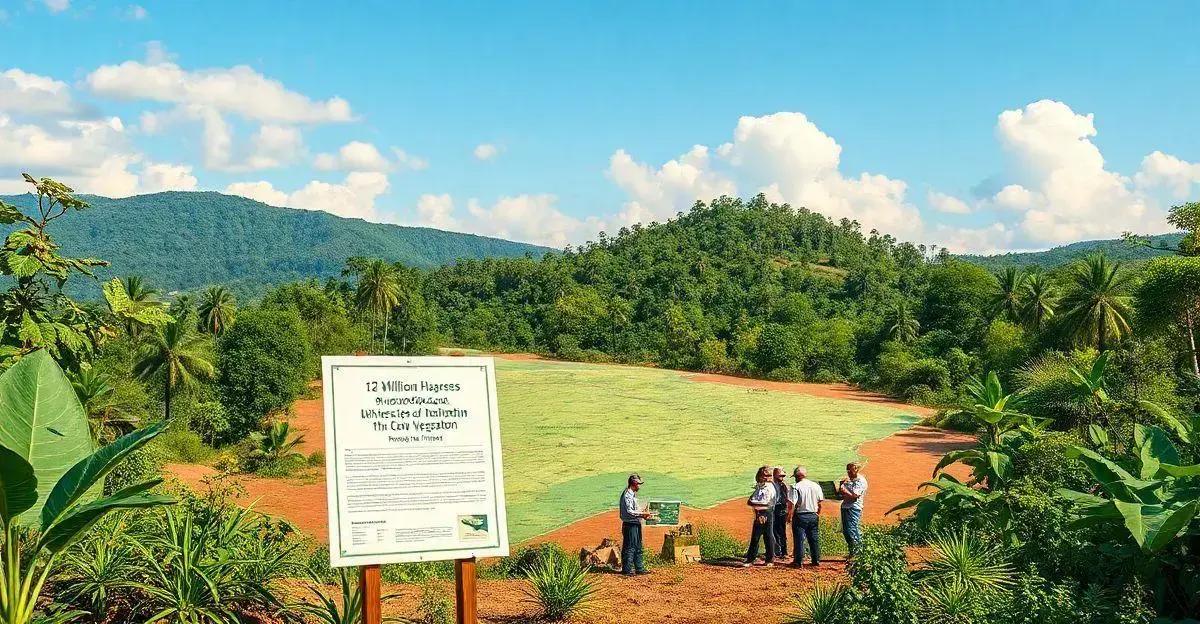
pixel 1191 332
pixel 167 398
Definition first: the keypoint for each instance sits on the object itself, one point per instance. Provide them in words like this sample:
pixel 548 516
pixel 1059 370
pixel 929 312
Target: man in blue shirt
pixel 631 528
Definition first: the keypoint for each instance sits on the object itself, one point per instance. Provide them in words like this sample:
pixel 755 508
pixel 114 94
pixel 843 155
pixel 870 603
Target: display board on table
pixel 830 490
pixel 413 459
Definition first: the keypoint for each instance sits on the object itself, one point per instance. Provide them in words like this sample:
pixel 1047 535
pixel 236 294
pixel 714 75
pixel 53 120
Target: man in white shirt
pixel 762 501
pixel 852 488
pixel 804 512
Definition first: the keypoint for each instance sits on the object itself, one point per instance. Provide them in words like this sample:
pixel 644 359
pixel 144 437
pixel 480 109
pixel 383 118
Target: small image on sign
pixel 473 527
pixel 663 513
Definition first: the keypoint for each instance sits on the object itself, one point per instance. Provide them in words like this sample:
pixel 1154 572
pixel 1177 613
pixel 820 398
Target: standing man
pixel 804 512
pixel 852 488
pixel 762 501
pixel 781 511
pixel 631 528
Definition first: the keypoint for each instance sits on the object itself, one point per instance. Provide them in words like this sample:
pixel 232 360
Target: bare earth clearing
pixel 895 466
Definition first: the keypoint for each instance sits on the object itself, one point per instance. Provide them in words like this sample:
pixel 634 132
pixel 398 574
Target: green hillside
pixel 1115 249
pixel 182 241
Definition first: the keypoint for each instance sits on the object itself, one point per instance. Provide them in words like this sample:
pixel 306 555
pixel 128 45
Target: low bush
pixel 180 444
pixel 316 459
pixel 823 605
pixel 435 606
pixel 282 467
pixel 787 373
pixel 717 543
pixel 559 585
pixel 522 560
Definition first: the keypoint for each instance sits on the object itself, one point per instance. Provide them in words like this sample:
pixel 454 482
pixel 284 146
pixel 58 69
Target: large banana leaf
pixel 86 474
pixel 18 485
pixel 81 518
pixel 42 421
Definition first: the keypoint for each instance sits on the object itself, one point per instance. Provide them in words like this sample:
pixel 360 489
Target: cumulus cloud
pixel 948 204
pixel 238 90
pixel 486 151
pixel 23 92
pixel 354 197
pixel 363 156
pixel 1061 188
pixel 783 155
pixel 166 177
pixel 57 6
pixel 1161 170
pixel 530 218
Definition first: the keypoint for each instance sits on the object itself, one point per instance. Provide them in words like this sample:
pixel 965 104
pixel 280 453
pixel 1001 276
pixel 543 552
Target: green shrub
pixel 524 559
pixel 419 572
pixel 560 586
pixel 180 444
pixel 262 367
pixel 316 459
pixel 435 605
pixel 786 373
pixel 883 592
pixel 139 466
pixel 1046 458
pixel 824 375
pixel 283 467
pixel 716 543
pixel 823 605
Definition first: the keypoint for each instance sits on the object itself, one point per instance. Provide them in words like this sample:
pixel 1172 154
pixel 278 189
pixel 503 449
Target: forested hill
pixel 1115 249
pixel 186 240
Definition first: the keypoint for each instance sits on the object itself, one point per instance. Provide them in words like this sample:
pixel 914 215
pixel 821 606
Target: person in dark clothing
pixel 780 521
pixel 762 501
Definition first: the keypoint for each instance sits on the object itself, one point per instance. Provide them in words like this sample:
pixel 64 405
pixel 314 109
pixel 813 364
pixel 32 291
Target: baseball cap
pixel 635 478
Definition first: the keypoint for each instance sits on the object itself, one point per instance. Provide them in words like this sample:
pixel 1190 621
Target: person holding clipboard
pixel 632 516
pixel 852 489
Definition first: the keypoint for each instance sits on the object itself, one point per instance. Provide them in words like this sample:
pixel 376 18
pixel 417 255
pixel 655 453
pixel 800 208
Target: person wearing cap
pixel 852 489
pixel 804 512
pixel 631 528
pixel 781 512
pixel 762 501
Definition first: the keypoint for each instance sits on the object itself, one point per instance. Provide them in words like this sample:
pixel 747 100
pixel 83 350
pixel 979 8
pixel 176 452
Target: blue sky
pixel 593 110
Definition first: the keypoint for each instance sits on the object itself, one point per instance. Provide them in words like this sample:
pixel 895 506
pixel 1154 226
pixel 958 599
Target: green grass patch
pixel 572 433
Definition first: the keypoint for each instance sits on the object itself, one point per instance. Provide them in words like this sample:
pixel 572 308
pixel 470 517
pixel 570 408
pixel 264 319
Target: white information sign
pixel 412 460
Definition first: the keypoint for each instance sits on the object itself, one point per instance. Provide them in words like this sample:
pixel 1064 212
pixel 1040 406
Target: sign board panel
pixel 412 461
pixel 665 513
pixel 829 489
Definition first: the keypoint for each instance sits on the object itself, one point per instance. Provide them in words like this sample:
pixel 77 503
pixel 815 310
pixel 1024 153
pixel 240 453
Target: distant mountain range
pixel 1115 249
pixel 187 240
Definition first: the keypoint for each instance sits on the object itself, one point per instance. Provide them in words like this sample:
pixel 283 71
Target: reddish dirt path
pixel 895 466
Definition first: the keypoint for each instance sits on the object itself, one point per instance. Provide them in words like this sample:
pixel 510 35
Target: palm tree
pixel 139 293
pixel 217 310
pixel 378 292
pixel 902 325
pixel 107 418
pixel 1040 299
pixel 1006 301
pixel 182 306
pixel 1097 308
pixel 176 356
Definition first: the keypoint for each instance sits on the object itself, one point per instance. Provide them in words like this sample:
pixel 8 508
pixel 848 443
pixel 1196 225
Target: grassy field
pixel 573 432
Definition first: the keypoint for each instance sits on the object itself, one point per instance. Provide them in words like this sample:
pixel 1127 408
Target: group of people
pixel 776 505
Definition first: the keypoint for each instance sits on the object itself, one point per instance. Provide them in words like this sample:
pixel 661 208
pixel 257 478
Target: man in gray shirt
pixel 631 528
pixel 852 489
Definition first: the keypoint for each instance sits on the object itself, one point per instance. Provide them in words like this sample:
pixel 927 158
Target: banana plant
pixel 1155 504
pixel 35 397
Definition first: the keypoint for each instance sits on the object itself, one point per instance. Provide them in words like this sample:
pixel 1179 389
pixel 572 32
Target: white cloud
pixel 166 177
pixel 362 156
pixel 354 197
pixel 62 146
pixel 136 12
pixel 57 6
pixel 1161 170
pixel 261 191
pixel 274 146
pixel 238 90
pixel 948 204
pixel 1065 193
pixel 529 218
pixel 783 155
pixel 437 211
pixel 486 151
pixel 23 92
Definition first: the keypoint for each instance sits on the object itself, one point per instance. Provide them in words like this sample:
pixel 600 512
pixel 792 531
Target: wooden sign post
pixel 372 595
pixel 464 591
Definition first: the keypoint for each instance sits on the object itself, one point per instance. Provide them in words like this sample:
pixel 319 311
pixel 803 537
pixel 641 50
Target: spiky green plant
pixel 825 604
pixel 559 585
